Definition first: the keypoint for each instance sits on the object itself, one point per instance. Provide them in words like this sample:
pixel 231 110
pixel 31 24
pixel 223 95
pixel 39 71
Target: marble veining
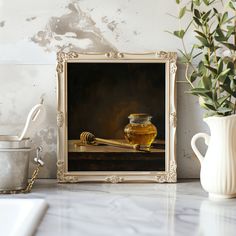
pixel 132 209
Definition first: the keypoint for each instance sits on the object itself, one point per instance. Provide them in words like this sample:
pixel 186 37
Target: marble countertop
pixel 131 209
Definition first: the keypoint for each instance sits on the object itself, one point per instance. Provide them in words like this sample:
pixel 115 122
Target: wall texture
pixel 32 31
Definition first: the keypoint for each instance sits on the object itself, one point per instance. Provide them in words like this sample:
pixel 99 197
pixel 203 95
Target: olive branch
pixel 213 77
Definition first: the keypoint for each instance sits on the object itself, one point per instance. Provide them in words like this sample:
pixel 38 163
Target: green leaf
pixel 220 37
pixel 229 20
pixel 192 49
pixel 215 10
pixel 221 100
pixel 206 81
pixel 192 6
pixel 203 41
pixel 212 69
pixel 179 33
pixel 201 67
pixel 206 57
pixel 201 91
pixel 190 23
pixel 193 76
pixel 231 5
pixel 206 2
pixel 200 33
pixel 210 107
pixel 214 95
pixel 197 21
pixel 207 103
pixel 200 84
pixel 198 54
pixel 210 113
pixel 228 89
pixel 230 32
pixel 177 1
pixel 232 85
pixel 230 65
pixel 197 13
pixel 206 15
pixel 221 77
pixel 197 2
pixel 224 18
pixel 230 104
pixel 230 46
pixel 220 66
pixel 185 58
pixel 199 46
pixel 224 110
pixel 182 12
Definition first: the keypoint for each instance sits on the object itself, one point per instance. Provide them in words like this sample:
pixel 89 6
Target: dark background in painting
pixel 100 98
pixel 102 95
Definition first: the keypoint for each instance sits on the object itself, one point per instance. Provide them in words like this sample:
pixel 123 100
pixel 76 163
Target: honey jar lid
pixel 139 115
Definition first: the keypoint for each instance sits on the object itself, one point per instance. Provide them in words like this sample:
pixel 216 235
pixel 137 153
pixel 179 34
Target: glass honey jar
pixel 140 130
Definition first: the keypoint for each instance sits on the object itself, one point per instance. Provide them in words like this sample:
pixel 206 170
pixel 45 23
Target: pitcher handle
pixel 194 147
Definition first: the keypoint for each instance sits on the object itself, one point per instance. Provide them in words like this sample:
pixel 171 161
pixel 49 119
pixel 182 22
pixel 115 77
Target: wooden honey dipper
pixel 87 137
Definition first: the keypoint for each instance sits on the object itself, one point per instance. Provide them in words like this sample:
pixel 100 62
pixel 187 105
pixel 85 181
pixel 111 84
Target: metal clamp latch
pixel 38 159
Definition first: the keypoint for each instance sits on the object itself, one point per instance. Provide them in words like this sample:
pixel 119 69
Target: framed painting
pixel 116 117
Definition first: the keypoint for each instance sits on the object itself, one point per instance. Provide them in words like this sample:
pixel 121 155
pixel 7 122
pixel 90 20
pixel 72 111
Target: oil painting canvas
pixel 101 96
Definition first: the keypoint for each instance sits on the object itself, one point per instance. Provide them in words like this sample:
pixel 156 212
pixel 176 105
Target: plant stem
pixel 234 106
pixel 235 28
pixel 186 53
pixel 186 75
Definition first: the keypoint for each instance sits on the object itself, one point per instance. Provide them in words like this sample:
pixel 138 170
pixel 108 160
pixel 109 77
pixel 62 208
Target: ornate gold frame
pixel 169 175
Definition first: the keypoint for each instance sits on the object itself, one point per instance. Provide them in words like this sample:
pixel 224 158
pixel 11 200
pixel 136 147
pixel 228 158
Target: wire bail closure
pixel 38 159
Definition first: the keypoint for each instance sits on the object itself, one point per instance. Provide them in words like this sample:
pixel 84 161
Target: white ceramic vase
pixel 218 167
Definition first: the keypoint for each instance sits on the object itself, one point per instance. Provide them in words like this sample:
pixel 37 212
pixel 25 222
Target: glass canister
pixel 140 130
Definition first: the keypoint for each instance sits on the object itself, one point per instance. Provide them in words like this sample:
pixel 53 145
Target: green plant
pixel 213 76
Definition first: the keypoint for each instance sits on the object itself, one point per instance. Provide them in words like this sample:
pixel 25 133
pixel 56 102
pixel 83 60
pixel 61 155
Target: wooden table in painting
pixel 83 157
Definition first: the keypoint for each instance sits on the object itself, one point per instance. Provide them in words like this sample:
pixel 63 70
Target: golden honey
pixel 140 130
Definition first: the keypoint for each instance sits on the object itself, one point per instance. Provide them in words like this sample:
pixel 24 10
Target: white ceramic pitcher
pixel 218 167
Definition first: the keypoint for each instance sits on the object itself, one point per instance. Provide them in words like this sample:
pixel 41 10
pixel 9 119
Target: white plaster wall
pixel 32 31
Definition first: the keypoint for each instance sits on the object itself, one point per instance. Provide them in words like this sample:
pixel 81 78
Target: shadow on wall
pixel 189 116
